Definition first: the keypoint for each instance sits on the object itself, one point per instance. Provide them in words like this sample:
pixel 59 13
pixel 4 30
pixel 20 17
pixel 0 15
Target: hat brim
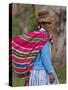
pixel 48 19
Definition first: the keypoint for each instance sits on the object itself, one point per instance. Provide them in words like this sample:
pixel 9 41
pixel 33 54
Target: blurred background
pixel 23 16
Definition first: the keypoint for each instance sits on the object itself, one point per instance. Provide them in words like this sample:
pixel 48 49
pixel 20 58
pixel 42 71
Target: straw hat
pixel 44 17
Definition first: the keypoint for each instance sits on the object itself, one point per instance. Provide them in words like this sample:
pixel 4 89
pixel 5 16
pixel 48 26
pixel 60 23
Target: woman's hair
pixel 39 24
pixel 41 15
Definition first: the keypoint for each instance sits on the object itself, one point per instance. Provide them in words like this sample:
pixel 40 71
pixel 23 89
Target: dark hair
pixel 40 24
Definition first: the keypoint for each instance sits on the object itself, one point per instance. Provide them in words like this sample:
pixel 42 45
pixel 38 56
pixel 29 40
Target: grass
pixel 17 81
pixel 61 73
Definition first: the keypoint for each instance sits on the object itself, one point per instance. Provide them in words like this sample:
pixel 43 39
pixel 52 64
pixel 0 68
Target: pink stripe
pixel 24 49
pixel 19 40
pixel 24 52
pixel 14 44
pixel 24 44
pixel 37 34
pixel 30 44
pixel 20 67
pixel 21 60
pixel 23 70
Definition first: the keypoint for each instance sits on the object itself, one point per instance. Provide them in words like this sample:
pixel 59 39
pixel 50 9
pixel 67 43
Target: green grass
pixel 61 73
pixel 17 81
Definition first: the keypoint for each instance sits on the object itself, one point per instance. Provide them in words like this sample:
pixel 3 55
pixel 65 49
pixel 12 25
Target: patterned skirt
pixel 41 77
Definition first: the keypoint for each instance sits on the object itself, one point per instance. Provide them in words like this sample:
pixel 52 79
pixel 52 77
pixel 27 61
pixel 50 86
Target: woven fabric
pixel 23 50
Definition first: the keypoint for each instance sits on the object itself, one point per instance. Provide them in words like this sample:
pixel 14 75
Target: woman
pixel 31 54
pixel 43 72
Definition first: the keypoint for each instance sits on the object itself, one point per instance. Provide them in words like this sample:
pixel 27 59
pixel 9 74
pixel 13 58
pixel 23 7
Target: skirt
pixel 41 77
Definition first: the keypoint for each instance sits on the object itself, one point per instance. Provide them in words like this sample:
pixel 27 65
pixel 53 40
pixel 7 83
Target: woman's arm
pixel 46 60
pixel 46 57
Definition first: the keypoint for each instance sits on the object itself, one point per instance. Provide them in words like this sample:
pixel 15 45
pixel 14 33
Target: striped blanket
pixel 23 50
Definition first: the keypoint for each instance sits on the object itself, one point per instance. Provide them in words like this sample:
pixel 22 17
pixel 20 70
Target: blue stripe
pixel 23 65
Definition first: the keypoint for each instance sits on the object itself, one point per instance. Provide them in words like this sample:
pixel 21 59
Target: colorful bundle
pixel 24 50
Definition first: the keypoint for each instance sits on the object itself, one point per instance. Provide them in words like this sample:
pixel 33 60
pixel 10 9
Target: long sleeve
pixel 46 57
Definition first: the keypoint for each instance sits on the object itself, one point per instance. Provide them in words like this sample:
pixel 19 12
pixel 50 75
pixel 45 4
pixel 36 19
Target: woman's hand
pixel 51 77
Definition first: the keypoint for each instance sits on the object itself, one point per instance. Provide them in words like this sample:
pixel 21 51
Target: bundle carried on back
pixel 24 49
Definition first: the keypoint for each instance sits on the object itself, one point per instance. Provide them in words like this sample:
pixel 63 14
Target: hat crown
pixel 45 17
